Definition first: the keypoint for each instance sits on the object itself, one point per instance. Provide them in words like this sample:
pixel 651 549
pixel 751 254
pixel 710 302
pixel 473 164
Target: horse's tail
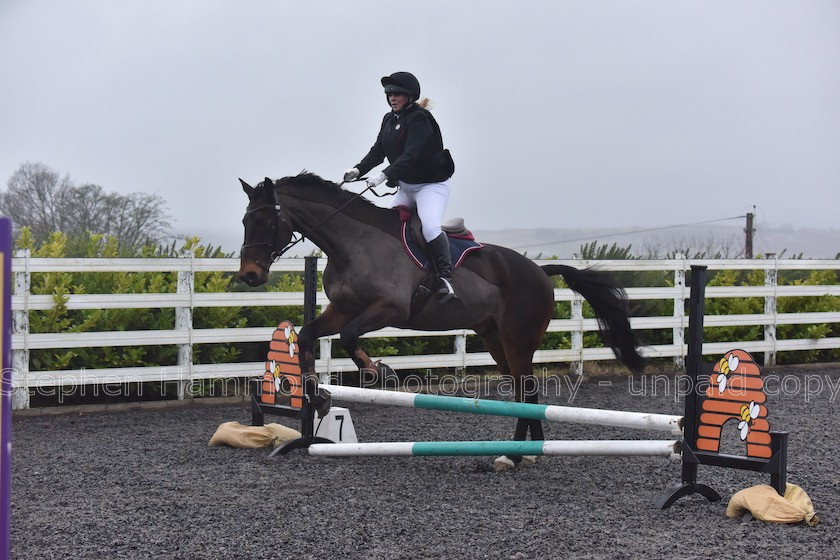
pixel 609 302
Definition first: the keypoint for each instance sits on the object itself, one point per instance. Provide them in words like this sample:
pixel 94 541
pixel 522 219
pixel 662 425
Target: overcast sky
pixel 577 113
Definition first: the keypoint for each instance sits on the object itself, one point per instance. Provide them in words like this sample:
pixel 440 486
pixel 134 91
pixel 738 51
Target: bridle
pixel 280 218
pixel 271 242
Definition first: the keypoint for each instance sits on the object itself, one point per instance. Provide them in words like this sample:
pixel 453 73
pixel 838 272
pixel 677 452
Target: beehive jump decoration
pixel 736 392
pixel 282 382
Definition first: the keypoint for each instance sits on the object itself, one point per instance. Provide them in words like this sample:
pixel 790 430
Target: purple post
pixel 6 393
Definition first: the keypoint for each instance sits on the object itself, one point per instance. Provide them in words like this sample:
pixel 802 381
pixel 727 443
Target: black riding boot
pixel 442 259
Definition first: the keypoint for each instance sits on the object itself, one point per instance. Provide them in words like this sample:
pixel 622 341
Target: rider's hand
pixel 377 180
pixel 351 175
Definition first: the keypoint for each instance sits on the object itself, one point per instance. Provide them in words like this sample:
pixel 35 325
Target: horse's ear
pixel 249 190
pixel 268 182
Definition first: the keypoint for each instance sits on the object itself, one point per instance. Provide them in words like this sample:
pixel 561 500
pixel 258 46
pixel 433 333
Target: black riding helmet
pixel 402 82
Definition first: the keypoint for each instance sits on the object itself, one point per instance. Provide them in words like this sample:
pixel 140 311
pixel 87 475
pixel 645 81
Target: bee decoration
pixel 748 413
pixel 727 364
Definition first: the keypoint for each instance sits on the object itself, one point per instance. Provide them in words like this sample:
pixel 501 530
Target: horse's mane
pixel 308 179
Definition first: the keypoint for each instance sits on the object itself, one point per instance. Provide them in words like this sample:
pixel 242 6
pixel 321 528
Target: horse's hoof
pixel 322 402
pixel 502 464
pixel 385 371
pixel 376 375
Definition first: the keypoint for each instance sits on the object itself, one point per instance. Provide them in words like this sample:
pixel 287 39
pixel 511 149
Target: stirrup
pixel 445 292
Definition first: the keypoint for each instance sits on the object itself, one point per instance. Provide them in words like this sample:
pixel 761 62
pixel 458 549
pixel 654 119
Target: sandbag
pixel 765 504
pixel 238 435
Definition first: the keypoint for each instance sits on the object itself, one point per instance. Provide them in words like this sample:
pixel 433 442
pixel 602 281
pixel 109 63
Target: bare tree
pixel 88 204
pixel 136 218
pixel 37 197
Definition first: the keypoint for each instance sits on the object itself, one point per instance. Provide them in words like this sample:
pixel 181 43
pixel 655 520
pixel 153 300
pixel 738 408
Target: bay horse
pixel 371 283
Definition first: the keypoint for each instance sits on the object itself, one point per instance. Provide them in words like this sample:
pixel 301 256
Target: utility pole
pixel 748 250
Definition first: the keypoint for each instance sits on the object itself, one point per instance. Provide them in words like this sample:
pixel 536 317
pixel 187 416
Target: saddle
pixel 461 240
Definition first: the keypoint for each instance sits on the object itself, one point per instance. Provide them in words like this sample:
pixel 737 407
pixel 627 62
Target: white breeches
pixel 428 200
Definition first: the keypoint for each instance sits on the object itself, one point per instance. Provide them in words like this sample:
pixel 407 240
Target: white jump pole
pixel 650 448
pixel 551 413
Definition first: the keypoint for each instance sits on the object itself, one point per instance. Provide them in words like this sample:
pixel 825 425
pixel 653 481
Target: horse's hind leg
pixel 520 343
pixel 517 369
pixel 489 333
pixel 532 395
pixel 527 391
pixel 495 344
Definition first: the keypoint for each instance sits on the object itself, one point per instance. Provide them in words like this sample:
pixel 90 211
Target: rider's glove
pixel 351 175
pixel 376 180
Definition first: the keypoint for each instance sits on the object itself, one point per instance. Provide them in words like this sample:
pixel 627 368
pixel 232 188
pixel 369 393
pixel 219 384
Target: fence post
pixel 325 354
pixel 771 280
pixel 577 335
pixel 184 322
pixel 461 350
pixel 20 326
pixel 679 311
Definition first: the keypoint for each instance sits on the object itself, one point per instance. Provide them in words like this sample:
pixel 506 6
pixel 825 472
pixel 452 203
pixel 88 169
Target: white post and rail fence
pixel 185 337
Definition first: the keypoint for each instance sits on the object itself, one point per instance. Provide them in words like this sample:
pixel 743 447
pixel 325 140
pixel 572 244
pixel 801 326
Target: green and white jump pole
pixel 653 448
pixel 549 413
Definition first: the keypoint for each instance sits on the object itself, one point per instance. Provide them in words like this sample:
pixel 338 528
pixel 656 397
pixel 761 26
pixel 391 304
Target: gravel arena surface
pixel 145 484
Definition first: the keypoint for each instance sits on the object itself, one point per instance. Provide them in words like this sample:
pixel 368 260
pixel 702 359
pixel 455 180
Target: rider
pixel 411 140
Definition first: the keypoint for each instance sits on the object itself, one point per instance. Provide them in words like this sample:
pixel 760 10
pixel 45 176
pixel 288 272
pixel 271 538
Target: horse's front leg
pixel 329 322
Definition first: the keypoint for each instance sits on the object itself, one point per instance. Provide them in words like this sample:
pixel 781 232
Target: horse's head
pixel 267 233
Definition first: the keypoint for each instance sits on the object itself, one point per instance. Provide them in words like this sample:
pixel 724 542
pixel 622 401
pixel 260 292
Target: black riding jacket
pixel 413 144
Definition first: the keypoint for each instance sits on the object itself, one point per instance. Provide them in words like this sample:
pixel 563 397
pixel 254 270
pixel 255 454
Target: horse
pixel 503 296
